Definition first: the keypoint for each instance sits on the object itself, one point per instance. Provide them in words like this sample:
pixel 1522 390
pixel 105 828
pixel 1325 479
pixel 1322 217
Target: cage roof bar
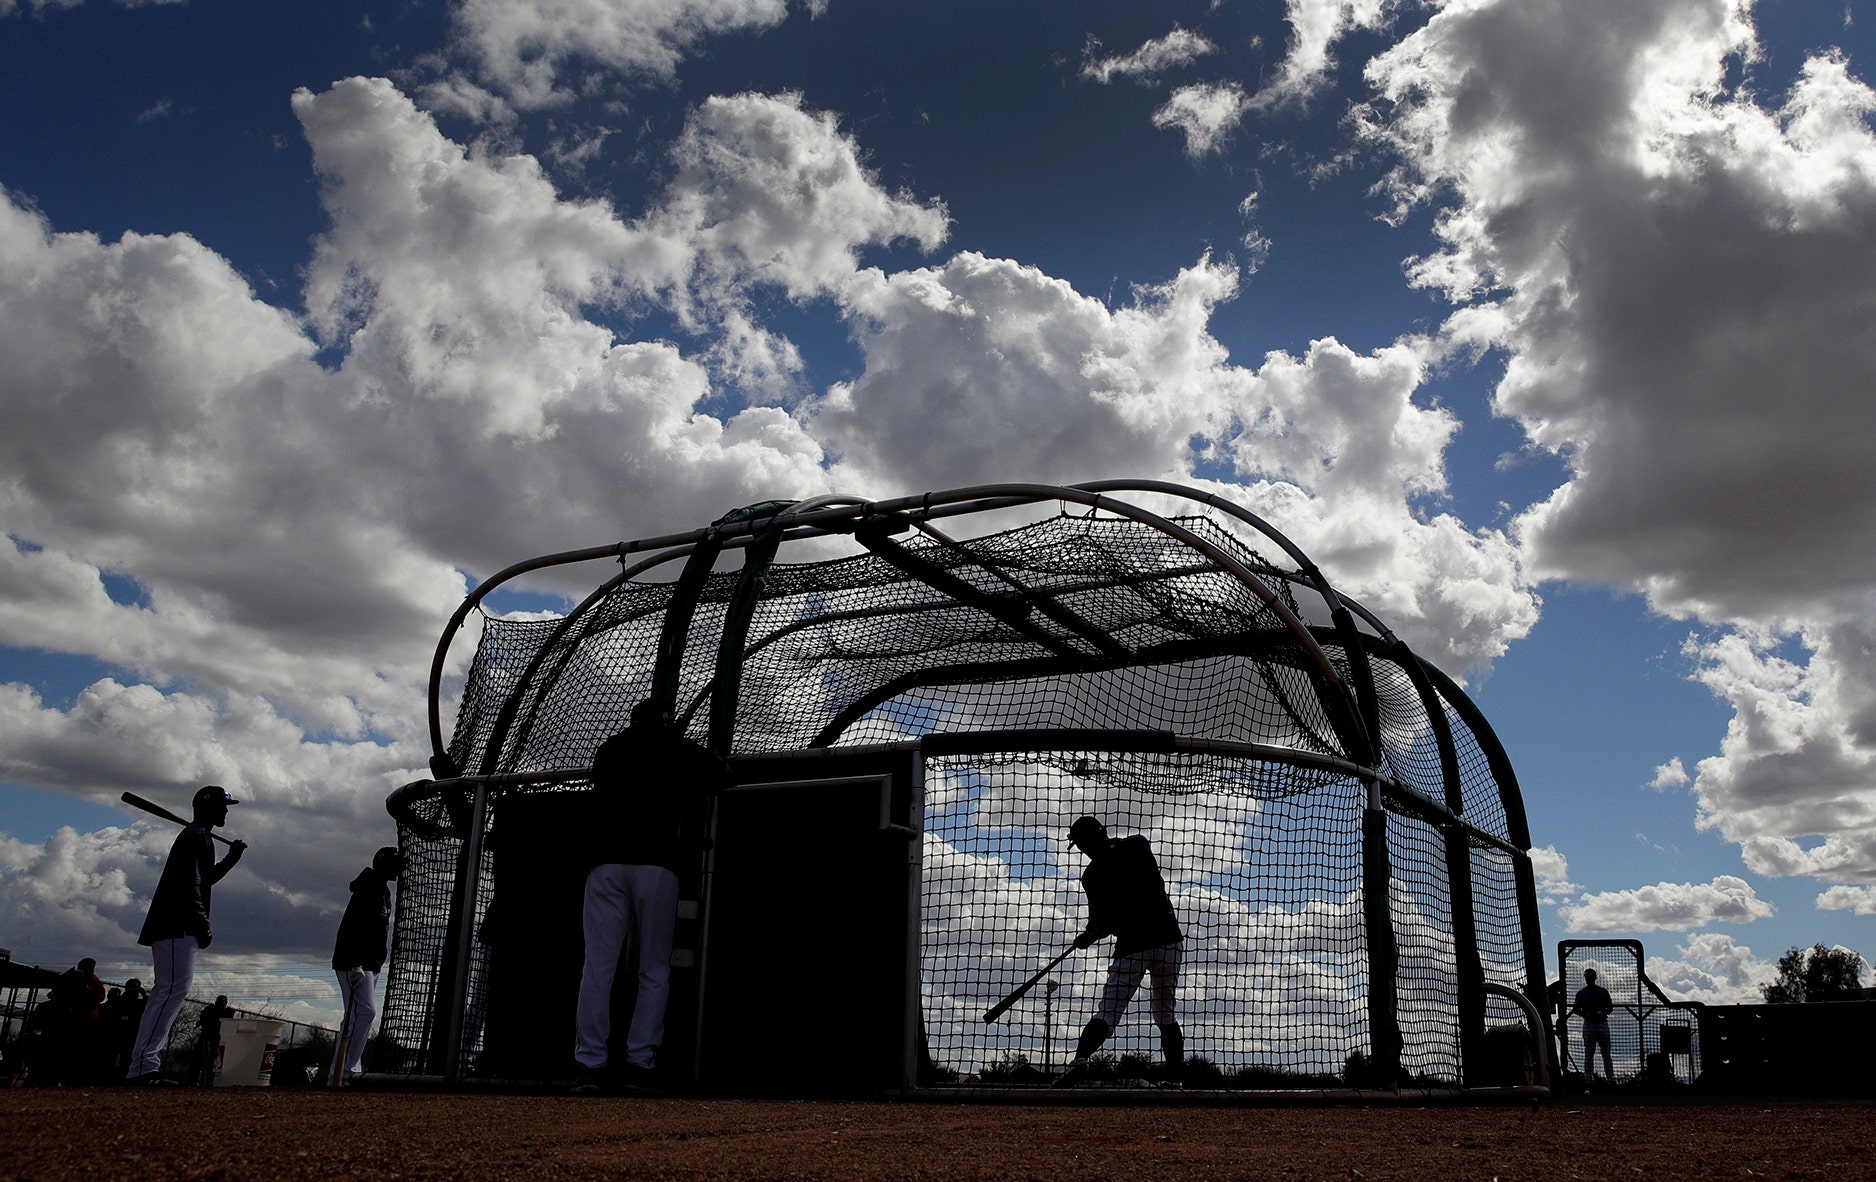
pixel 960 591
pixel 1045 604
pixel 1011 741
pixel 912 609
pixel 822 514
pixel 1167 652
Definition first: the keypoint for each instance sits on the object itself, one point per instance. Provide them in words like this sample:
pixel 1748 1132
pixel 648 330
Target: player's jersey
pixel 180 906
pixel 1127 897
pixel 649 786
pixel 365 928
pixel 1593 1003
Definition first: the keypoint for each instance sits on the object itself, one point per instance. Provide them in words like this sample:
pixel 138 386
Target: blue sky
pixel 1543 327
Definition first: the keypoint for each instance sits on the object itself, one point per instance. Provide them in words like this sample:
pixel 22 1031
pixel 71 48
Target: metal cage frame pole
pixel 1517 826
pixel 1455 838
pixel 914 1041
pixel 462 922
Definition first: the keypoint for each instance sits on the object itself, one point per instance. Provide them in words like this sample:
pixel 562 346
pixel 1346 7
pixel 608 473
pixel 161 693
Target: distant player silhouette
pixel 1594 1005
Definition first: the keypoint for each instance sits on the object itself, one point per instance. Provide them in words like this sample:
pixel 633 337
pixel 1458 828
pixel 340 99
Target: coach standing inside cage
pixel 1127 900
pixel 178 925
pixel 358 957
pixel 650 783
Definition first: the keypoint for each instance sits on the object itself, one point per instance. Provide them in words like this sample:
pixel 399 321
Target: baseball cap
pixel 213 794
pixel 1085 827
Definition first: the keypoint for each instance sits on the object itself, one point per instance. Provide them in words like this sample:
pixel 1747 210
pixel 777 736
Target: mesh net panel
pixel 1074 622
pixel 1426 978
pixel 1263 870
pixel 431 833
pixel 1131 633
pixel 1636 1027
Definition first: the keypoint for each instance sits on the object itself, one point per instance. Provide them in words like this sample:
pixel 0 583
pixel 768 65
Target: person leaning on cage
pixel 208 1039
pixel 178 925
pixel 75 1000
pixel 1594 1005
pixel 122 1029
pixel 1127 900
pixel 358 957
pixel 104 1044
pixel 649 786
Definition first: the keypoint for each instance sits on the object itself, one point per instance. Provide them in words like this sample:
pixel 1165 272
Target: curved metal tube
pixel 1540 1034
pixel 499 734
pixel 1310 571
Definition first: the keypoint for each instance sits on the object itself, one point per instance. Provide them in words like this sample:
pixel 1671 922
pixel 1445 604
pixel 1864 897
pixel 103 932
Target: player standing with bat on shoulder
pixel 1127 900
pixel 177 925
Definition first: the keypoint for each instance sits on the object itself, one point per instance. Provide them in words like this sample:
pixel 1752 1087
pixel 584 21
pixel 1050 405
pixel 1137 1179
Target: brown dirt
pixel 279 1133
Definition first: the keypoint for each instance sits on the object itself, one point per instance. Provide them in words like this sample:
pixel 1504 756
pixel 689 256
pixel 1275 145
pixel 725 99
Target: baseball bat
pixel 1016 995
pixel 150 806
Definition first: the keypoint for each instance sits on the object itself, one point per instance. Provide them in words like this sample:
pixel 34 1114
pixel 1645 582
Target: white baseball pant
pixel 1123 979
pixel 358 988
pixel 169 988
pixel 622 901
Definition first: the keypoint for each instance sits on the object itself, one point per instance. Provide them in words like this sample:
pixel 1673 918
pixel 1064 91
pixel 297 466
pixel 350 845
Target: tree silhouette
pixel 1822 974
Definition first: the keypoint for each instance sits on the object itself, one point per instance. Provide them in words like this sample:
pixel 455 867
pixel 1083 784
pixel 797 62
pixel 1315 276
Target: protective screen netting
pixel 1644 1025
pixel 1071 623
pixel 1264 873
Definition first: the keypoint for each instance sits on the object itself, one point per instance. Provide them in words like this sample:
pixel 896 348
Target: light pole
pixel 1048 1025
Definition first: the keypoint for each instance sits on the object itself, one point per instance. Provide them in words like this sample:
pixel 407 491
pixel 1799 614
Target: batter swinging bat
pixel 1016 995
pixel 150 806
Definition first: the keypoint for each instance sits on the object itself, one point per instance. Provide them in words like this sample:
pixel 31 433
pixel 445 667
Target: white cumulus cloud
pixel 769 192
pixel 1671 774
pixel 1861 900
pixel 538 53
pixel 1666 906
pixel 1712 968
pixel 1679 266
pixel 1552 871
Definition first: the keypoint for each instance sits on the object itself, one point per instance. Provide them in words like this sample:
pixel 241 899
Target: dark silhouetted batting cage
pixel 917 697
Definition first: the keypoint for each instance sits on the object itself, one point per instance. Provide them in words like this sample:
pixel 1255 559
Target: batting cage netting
pixel 916 706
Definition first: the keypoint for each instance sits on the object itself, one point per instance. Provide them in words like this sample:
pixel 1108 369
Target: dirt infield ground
pixel 264 1133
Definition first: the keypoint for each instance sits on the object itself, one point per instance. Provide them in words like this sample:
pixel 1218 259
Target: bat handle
pixel 1002 1007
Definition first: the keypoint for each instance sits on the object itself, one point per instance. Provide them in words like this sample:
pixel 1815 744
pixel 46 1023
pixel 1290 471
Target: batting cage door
pixel 808 949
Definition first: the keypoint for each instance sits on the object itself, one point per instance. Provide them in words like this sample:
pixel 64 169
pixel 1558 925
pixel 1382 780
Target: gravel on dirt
pixel 242 1133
